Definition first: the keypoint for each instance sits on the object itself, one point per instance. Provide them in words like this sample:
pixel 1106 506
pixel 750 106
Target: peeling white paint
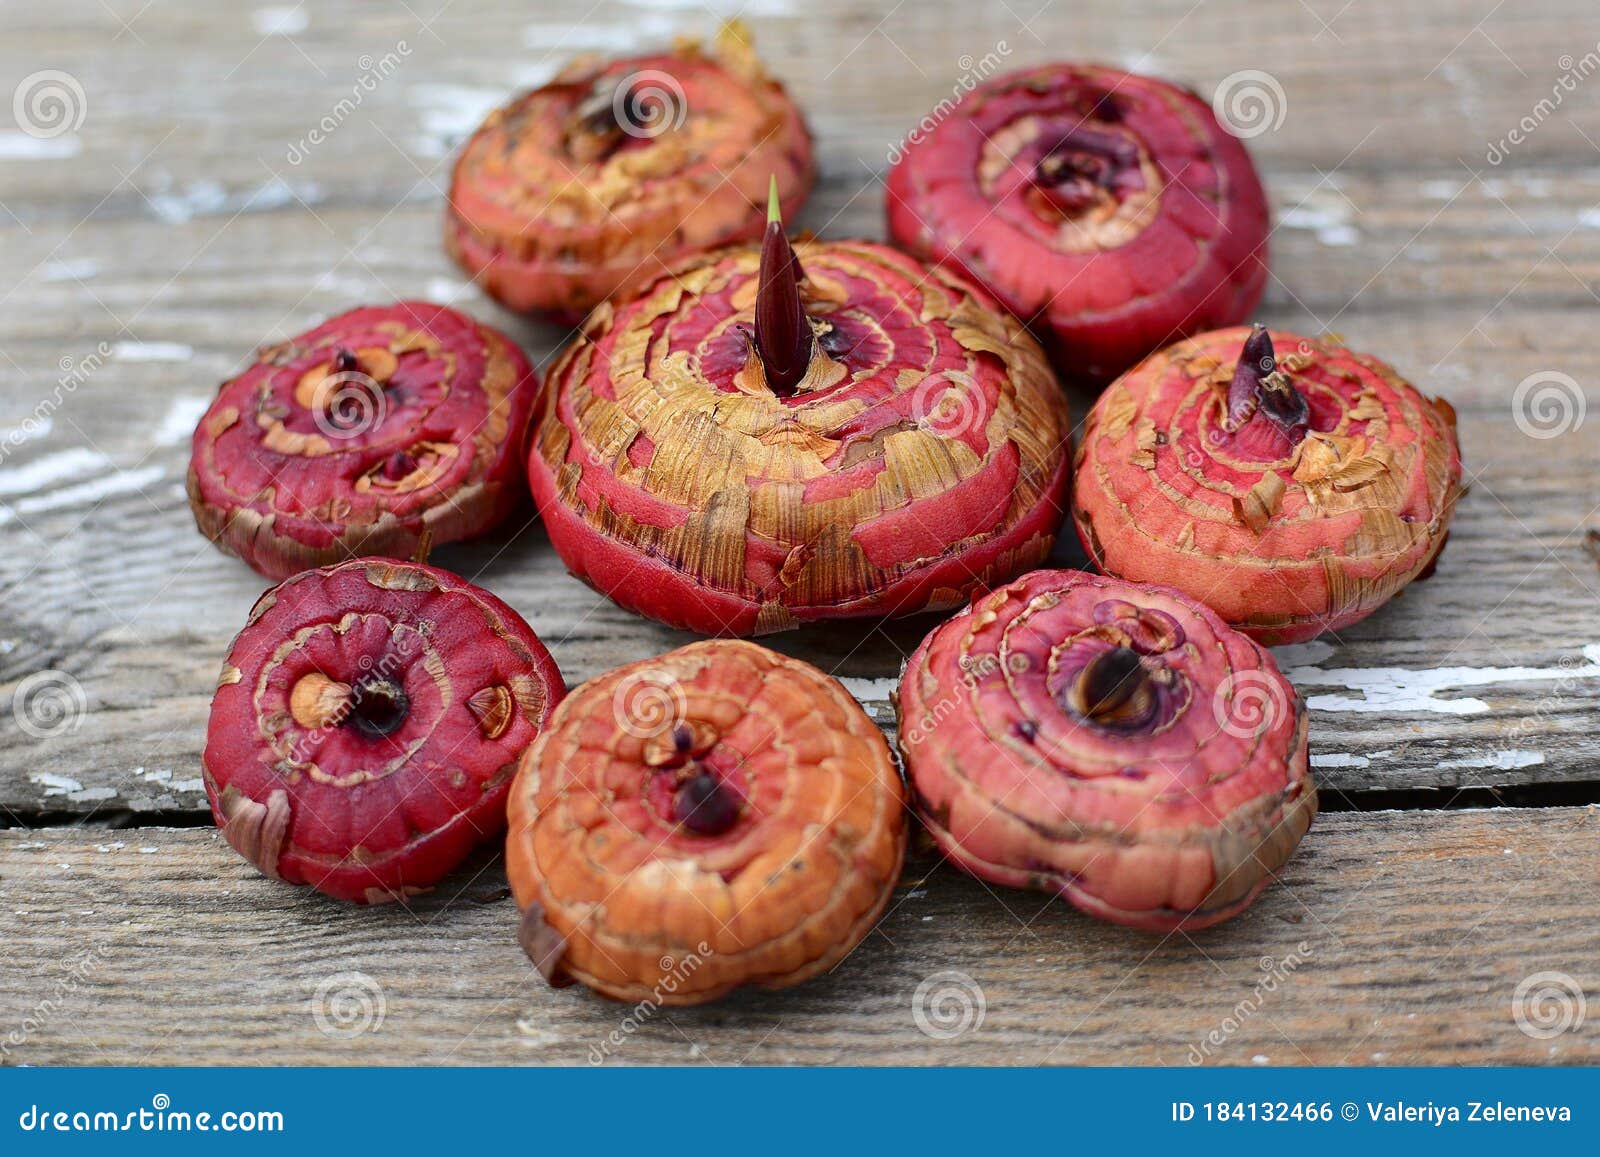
pixel 151 351
pixel 449 112
pixel 280 21
pixel 20 146
pixel 445 291
pixel 55 784
pixel 1340 759
pixel 32 430
pixel 181 418
pixel 1499 761
pixel 84 493
pixel 210 198
pixel 640 34
pixel 719 7
pixel 50 469
pixel 163 776
pixel 1398 690
pixel 1327 217
pixel 1442 189
pixel 352 286
pixel 79 269
pixel 870 693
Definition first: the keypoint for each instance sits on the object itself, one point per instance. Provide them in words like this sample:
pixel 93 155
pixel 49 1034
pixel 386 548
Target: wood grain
pixel 119 591
pixel 160 946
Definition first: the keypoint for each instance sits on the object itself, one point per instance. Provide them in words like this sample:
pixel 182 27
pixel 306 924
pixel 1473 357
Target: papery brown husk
pixel 618 895
pixel 547 220
pixel 1286 544
pixel 1174 821
pixel 923 456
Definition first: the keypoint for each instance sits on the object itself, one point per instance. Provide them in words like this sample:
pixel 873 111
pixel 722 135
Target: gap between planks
pixel 1395 938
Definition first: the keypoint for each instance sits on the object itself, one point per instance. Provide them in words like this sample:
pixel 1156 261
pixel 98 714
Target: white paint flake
pixel 870 692
pixel 20 146
pixel 1498 761
pixel 151 351
pixel 32 430
pixel 84 493
pixel 448 113
pixel 55 784
pixel 177 426
pixel 50 469
pixel 278 21
pixel 1399 690
pixel 78 269
pixel 211 198
pixel 1340 759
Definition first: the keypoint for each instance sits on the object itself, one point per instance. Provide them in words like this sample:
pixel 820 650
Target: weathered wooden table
pixel 1436 190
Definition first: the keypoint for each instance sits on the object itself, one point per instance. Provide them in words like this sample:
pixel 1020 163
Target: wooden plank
pixel 161 946
pixel 1353 78
pixel 105 579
